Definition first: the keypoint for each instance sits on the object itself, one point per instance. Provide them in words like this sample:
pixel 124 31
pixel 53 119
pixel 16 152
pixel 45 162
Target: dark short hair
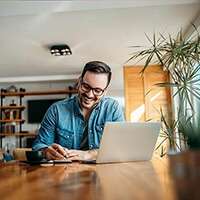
pixel 97 67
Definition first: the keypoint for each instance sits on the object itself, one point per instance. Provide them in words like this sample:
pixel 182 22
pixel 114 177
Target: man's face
pixel 91 89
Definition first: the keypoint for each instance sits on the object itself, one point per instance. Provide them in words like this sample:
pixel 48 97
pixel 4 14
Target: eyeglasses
pixel 96 91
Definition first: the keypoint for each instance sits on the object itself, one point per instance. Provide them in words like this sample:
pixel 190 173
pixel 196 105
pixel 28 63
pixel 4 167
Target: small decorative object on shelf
pixel 13 103
pixel 11 88
pixel 22 90
pixel 6 114
pixel 3 90
pixel 16 114
pixel 8 128
pixel 7 155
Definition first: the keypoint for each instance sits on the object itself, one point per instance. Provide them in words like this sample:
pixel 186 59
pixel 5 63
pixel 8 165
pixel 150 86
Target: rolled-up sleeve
pixel 118 114
pixel 46 133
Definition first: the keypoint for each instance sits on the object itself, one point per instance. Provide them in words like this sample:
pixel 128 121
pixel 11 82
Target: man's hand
pixel 81 155
pixel 55 152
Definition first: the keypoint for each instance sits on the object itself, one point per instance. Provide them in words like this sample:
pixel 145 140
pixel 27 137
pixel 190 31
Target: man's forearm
pixel 93 153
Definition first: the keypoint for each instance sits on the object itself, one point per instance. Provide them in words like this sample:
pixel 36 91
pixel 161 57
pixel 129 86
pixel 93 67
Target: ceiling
pixel 95 30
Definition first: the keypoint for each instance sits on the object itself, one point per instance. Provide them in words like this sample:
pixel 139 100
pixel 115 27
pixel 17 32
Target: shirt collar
pixel 78 108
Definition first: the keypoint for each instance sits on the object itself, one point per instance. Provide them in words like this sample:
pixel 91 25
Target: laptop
pixel 127 141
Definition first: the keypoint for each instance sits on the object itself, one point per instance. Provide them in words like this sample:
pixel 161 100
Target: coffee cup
pixel 34 155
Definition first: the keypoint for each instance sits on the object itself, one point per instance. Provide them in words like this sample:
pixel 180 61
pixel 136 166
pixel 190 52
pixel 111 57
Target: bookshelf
pixel 12 115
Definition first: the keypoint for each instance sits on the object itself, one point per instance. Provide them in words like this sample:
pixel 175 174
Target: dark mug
pixel 34 155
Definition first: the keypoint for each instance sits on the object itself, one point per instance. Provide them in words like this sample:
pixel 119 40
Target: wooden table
pixel 123 181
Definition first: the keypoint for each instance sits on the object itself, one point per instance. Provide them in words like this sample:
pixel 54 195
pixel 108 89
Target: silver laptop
pixel 128 141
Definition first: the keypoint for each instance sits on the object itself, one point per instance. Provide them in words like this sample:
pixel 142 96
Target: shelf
pixel 18 134
pixel 11 120
pixel 12 107
pixel 7 116
pixel 66 91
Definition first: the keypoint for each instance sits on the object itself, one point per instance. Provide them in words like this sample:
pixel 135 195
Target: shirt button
pixel 68 136
pixel 90 131
pixel 91 145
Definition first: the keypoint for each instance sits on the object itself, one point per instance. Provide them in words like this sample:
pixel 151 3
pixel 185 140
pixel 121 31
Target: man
pixel 73 128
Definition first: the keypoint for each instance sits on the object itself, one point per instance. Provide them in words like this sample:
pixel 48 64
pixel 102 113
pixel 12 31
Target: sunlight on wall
pixel 137 114
pixel 155 96
pixel 139 111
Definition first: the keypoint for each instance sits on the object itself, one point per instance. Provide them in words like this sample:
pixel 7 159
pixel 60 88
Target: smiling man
pixel 73 127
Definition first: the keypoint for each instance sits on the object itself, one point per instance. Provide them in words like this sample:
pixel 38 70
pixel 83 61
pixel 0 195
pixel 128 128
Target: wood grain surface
pixel 123 181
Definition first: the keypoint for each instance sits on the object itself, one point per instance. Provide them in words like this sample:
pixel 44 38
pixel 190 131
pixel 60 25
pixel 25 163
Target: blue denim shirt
pixel 64 124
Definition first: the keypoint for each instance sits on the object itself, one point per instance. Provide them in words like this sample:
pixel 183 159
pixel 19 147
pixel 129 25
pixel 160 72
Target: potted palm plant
pixel 180 56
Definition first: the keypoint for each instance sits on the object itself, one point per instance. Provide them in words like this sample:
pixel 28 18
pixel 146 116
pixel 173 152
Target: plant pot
pixel 184 169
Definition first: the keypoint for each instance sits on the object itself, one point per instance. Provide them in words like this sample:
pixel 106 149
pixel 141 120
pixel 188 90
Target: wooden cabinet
pixel 143 100
pixel 11 115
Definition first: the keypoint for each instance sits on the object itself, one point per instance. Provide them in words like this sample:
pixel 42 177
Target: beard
pixel 87 102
